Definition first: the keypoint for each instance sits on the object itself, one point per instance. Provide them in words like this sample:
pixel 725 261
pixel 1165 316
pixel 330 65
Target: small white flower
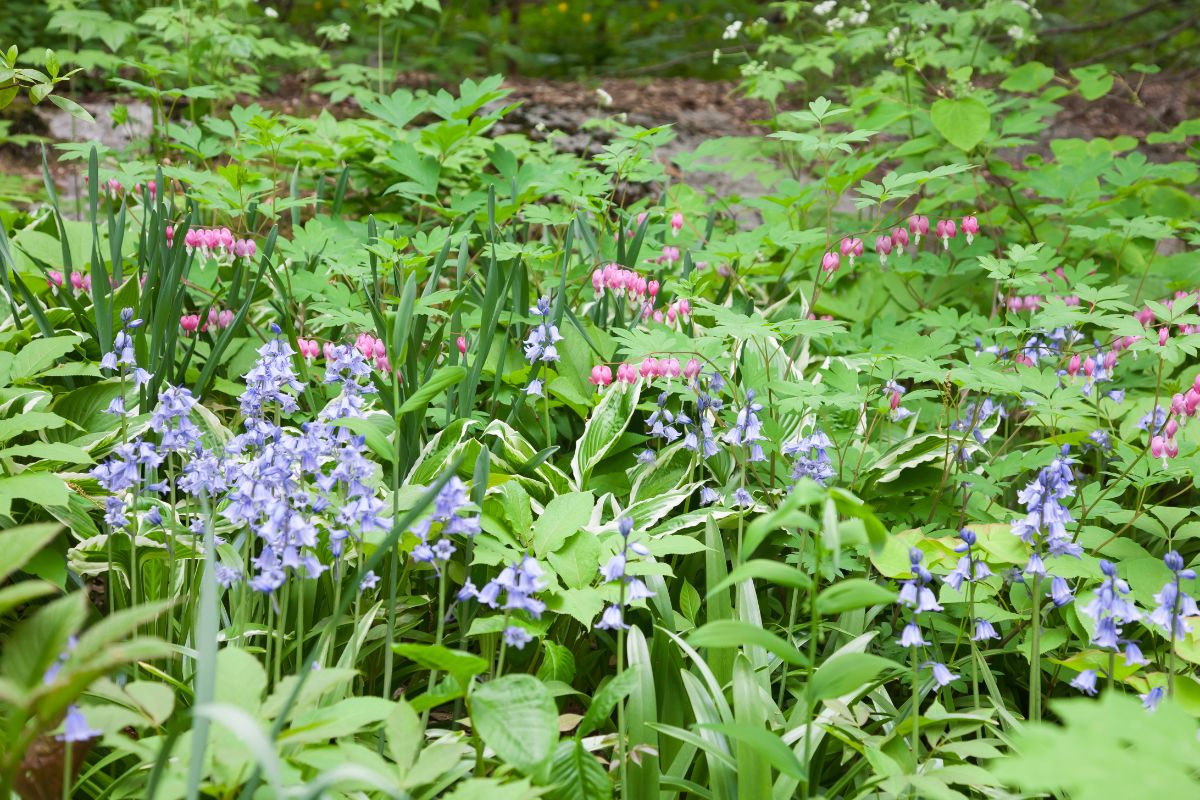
pixel 732 30
pixel 716 55
pixel 823 9
pixel 604 97
pixel 1016 33
pixel 270 12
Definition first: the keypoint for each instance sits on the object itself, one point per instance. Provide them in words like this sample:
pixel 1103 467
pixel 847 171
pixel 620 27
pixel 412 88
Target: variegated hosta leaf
pixel 609 419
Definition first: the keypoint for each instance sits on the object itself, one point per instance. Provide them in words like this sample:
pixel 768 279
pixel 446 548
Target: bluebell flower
pixel 810 456
pixel 645 457
pixel 1109 609
pixel 708 495
pixel 916 595
pixel 612 619
pixel 54 669
pixel 369 581
pixel 1117 395
pixel 700 437
pixel 1174 604
pixel 984 630
pixel 1045 522
pixel 1060 592
pixel 542 338
pixel 1100 440
pixel 515 636
pixel 227 576
pixel 615 570
pixel 969 568
pixel 1152 698
pixel 942 675
pixel 1153 421
pixel 1085 681
pixel 76 728
pixel 518 582
pixel 742 498
pixel 747 428
pixel 534 389
pixel 662 422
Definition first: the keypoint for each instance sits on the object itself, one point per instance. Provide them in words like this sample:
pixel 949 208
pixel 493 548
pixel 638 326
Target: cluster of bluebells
pixel 918 226
pixel 969 569
pixel 519 582
pixel 218 244
pixel 1109 611
pixel 810 457
pixel 217 320
pixel 1174 605
pixel 976 422
pixel 541 343
pixel 916 595
pixel 452 511
pixel 1044 526
pixel 615 570
pixel 746 430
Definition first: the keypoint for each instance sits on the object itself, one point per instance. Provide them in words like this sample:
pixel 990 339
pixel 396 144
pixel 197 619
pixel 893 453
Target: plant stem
pixel 1035 661
pixel 916 708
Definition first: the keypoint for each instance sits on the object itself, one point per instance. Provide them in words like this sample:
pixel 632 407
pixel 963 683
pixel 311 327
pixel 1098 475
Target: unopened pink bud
pixel 830 262
pixel 1163 335
pixel 54 279
pixel 970 227
pixel 1110 359
pixel 1172 427
pixel 1073 365
pixel 462 345
pixel 1089 366
pixel 676 223
pixel 190 323
pixel 652 288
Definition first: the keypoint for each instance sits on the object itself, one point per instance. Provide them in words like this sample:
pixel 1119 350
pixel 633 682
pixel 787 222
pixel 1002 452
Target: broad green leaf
pixel 564 515
pixel 516 716
pixel 844 673
pixel 963 121
pixel 609 419
pixel 853 593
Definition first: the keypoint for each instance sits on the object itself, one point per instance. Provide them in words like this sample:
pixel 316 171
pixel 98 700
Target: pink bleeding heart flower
pixel 830 262
pixel 883 246
pixel 190 323
pixel 970 227
pixel 676 223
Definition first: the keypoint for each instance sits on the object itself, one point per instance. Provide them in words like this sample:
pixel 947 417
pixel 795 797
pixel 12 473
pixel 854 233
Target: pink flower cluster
pixel 309 348
pixel 371 348
pixel 80 281
pixel 623 282
pixel 650 368
pixel 946 229
pixel 679 310
pixel 216 243
pixel 217 320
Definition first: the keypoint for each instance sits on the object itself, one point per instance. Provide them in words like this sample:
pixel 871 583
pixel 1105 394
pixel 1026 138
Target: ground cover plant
pixel 391 451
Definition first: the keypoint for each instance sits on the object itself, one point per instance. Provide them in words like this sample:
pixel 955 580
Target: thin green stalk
pixel 621 755
pixel 916 708
pixel 66 778
pixel 205 642
pixel 1035 661
pixel 814 630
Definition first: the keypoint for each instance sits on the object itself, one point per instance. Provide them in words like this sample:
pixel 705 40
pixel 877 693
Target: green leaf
pixel 1028 78
pixel 404 734
pixel 767 744
pixel 370 428
pixel 342 719
pixel 576 563
pixel 762 569
pixel 461 665
pixel 516 717
pixel 609 419
pixel 577 774
pixel 1095 81
pixel 19 545
pixel 558 663
pixel 440 380
pixel 730 633
pixel 36 487
pixel 851 594
pixel 564 515
pixel 29 421
pixel 963 122
pixel 607 698
pixel 844 673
